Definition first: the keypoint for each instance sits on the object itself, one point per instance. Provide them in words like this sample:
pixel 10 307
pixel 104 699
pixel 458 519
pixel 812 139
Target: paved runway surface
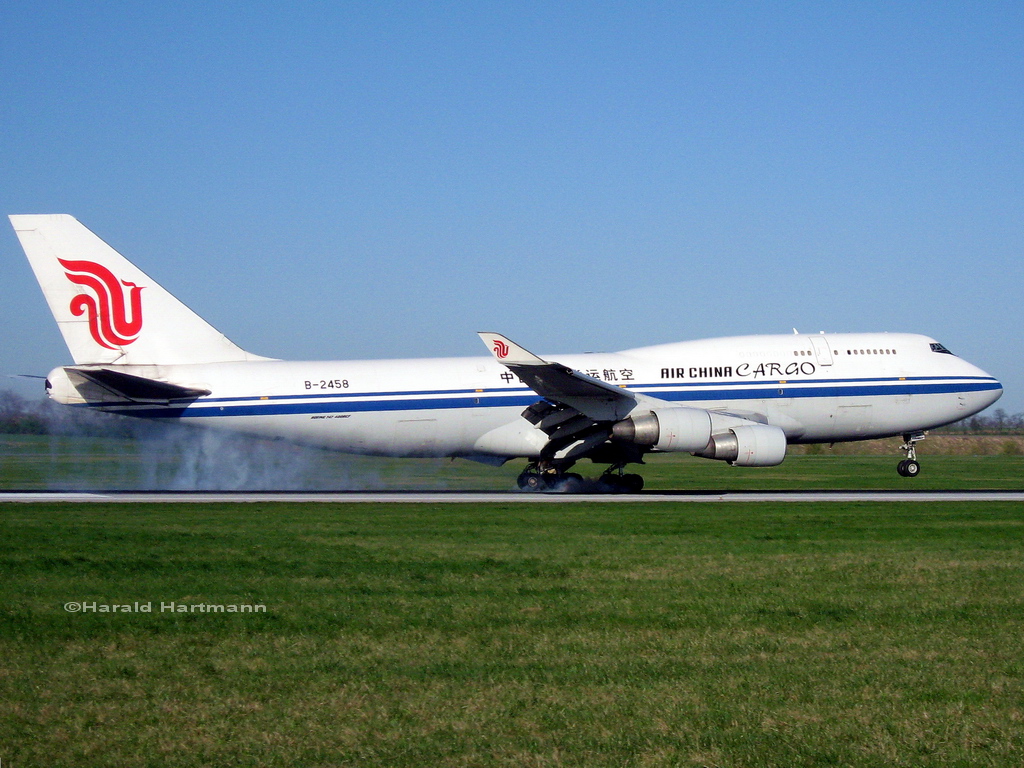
pixel 472 497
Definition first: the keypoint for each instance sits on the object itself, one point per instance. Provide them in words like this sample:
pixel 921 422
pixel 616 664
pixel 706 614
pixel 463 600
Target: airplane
pixel 138 351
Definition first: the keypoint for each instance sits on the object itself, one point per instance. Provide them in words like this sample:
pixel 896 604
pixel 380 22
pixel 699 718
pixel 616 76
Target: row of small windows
pixel 804 353
pixel 934 346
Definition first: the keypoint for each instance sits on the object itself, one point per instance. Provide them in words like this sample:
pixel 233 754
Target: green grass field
pixel 510 634
pixel 194 459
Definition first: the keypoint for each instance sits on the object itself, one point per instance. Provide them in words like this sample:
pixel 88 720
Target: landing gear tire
pixel 632 483
pixel 562 482
pixel 571 483
pixel 623 483
pixel 908 468
pixel 531 481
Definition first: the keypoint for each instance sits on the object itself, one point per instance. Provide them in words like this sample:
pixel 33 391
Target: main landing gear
pixel 540 476
pixel 909 467
pixel 533 478
pixel 621 482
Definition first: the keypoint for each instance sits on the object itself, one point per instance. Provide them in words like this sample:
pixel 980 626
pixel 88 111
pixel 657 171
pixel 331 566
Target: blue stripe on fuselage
pixel 521 397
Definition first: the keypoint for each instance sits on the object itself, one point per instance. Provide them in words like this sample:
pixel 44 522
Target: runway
pixel 489 497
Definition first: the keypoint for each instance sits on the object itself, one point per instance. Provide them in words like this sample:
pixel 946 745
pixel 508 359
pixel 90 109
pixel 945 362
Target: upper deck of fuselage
pixel 791 345
pixel 795 356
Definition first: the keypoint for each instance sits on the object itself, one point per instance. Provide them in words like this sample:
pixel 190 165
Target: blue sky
pixel 371 180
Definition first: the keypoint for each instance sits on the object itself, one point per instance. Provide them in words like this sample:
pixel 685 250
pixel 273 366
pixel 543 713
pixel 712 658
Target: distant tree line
pixel 998 422
pixel 20 416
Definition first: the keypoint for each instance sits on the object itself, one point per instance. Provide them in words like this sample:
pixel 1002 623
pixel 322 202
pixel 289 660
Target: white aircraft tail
pixel 109 311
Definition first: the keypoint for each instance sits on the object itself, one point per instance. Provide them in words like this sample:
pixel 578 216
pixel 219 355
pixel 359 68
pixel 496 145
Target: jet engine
pixel 690 429
pixel 754 445
pixel 667 429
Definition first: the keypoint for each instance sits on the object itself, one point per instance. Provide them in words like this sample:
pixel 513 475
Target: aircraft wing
pixel 559 383
pixel 577 411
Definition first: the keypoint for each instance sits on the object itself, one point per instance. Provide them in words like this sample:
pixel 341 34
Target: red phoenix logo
pixel 108 305
pixel 500 349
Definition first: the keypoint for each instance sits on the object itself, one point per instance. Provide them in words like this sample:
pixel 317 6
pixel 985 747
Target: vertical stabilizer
pixel 109 311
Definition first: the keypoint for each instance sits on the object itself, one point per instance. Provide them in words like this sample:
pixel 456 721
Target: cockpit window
pixel 936 347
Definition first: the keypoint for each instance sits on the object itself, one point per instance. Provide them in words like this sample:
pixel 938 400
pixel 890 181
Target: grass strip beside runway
pixel 201 460
pixel 586 635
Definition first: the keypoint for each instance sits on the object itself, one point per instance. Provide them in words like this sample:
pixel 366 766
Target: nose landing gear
pixel 910 467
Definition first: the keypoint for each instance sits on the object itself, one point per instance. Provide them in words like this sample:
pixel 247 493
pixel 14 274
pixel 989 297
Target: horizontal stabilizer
pixel 137 389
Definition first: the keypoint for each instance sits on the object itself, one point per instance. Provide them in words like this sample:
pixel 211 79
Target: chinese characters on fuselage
pixel 701 372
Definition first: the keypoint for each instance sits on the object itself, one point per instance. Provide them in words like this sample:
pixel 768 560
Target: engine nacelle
pixel 754 445
pixel 667 429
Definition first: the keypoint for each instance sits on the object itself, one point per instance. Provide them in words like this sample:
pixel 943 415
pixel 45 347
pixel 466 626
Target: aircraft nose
pixel 981 390
pixel 995 393
pixel 992 389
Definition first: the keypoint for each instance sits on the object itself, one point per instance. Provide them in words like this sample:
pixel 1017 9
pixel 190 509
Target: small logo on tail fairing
pixel 107 303
pixel 500 349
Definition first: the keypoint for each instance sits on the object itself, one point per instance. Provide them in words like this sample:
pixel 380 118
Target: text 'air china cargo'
pixel 138 351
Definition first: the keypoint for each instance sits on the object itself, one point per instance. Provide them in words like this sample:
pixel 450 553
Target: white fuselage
pixel 823 388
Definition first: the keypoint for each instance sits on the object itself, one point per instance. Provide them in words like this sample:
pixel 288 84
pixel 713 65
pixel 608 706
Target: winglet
pixel 507 352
